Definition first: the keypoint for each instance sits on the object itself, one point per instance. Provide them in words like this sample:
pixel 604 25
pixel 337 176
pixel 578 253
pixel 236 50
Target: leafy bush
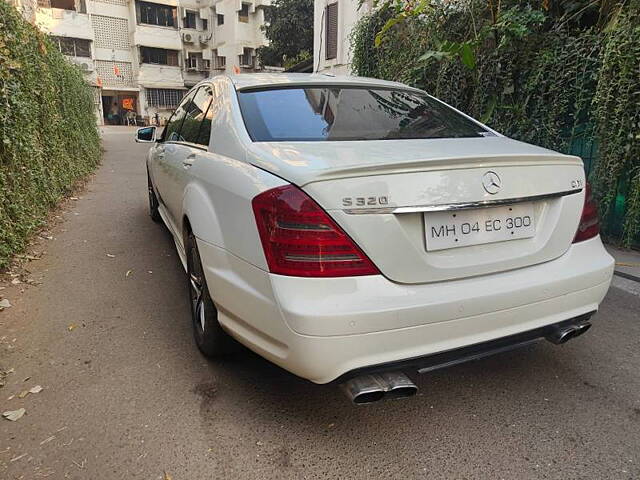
pixel 48 134
pixel 563 75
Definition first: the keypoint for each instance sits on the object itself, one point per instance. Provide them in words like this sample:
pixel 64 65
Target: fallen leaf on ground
pixel 16 281
pixel 23 394
pixel 110 255
pixel 73 198
pixel 129 272
pixel 166 476
pixel 71 327
pixel 14 415
pixel 36 389
pixel 4 303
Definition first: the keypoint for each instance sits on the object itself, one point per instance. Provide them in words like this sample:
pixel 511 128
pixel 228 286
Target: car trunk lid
pixel 389 196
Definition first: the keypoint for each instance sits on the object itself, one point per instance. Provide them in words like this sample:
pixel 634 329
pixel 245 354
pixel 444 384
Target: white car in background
pixel 350 230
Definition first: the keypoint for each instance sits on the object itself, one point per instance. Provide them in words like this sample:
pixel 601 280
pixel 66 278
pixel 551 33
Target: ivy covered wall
pixel 48 134
pixel 563 75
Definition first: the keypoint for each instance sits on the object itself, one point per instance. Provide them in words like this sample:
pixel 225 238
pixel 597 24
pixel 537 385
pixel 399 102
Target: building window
pixel 164 97
pixel 205 24
pixel 246 59
pixel 243 14
pixel 73 47
pixel 220 19
pixel 331 31
pixel 156 14
pixel 219 63
pixel 195 62
pixel 159 56
pixel 61 4
pixel 190 19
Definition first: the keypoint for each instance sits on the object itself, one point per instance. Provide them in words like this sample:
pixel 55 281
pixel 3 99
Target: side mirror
pixel 146 135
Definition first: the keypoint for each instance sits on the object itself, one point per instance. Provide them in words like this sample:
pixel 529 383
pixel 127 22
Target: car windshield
pixel 348 113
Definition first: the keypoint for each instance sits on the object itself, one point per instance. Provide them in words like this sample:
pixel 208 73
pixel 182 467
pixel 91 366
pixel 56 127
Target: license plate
pixel 462 228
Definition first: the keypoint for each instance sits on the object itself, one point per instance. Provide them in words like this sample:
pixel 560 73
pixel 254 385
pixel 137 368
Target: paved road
pixel 127 396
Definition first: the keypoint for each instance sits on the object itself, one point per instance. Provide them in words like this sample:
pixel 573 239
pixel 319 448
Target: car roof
pixel 245 81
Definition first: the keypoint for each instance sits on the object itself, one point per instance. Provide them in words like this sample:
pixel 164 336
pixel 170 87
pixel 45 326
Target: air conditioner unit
pixel 187 37
pixel 84 65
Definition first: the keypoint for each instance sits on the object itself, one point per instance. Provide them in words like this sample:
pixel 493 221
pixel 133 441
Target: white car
pixel 353 230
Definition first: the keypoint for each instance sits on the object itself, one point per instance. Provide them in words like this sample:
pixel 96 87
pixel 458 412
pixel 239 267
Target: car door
pixel 182 151
pixel 162 174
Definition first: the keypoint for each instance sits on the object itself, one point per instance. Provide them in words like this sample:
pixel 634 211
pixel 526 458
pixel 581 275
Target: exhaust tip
pixel 583 327
pixel 364 389
pixel 375 387
pixel 368 397
pixel 563 335
pixel 402 392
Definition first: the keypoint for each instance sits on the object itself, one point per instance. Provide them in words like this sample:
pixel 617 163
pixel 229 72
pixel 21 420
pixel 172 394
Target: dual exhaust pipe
pixel 560 335
pixel 376 386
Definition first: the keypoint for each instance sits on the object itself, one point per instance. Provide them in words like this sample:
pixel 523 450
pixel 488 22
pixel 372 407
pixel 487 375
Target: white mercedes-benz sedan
pixel 354 230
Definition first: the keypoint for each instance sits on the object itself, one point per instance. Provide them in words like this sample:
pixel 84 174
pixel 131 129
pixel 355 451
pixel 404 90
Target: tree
pixel 289 29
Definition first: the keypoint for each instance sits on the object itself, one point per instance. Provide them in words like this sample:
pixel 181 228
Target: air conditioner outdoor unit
pixel 85 66
pixel 187 37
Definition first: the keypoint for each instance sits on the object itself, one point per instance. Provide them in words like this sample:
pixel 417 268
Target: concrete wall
pixel 348 15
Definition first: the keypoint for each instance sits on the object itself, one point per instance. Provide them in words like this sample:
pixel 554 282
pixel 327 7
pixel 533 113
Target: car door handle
pixel 187 162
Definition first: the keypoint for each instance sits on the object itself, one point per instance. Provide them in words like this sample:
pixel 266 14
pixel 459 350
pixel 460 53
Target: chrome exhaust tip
pixel 562 335
pixel 583 327
pixel 398 385
pixel 372 388
pixel 364 389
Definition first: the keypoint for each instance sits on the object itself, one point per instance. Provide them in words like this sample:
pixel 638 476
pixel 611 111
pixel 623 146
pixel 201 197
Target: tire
pixel 210 338
pixel 153 203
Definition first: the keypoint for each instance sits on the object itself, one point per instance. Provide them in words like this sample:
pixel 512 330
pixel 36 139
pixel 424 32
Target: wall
pixel 348 15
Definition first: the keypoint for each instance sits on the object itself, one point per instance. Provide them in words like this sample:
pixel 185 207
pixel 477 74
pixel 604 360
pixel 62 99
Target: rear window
pixel 348 113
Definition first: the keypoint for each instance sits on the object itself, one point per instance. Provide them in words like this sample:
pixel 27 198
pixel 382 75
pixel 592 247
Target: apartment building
pixel 142 56
pixel 333 21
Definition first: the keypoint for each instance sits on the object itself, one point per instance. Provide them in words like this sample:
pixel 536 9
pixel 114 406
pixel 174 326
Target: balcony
pixel 158 37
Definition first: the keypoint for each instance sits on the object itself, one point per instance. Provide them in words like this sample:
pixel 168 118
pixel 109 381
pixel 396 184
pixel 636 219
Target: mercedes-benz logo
pixel 491 182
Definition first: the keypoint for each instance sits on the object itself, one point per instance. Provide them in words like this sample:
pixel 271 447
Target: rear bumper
pixel 321 329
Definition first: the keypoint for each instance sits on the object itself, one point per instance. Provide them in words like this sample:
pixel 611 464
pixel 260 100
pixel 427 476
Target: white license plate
pixel 461 228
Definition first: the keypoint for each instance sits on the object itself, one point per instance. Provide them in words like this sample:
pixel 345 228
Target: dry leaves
pixel 14 415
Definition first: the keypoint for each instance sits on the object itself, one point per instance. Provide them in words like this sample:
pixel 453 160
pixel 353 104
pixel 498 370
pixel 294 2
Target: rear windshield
pixel 347 113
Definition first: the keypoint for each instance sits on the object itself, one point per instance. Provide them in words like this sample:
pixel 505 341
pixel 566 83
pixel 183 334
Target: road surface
pixel 126 395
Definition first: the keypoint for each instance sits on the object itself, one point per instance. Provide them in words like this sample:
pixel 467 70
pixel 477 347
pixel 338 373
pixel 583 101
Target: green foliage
pixel 48 135
pixel 289 31
pixel 560 74
pixel 617 108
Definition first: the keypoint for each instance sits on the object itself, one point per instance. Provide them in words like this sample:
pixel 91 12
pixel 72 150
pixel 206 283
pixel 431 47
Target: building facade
pixel 142 56
pixel 333 21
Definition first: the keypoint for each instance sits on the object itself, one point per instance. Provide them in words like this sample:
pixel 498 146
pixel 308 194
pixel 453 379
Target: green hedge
pixel 565 80
pixel 48 134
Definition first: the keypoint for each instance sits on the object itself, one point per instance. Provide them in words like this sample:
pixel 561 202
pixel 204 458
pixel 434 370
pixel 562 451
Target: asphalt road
pixel 127 396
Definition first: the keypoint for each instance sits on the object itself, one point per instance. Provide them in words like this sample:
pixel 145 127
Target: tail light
pixel 589 223
pixel 300 239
